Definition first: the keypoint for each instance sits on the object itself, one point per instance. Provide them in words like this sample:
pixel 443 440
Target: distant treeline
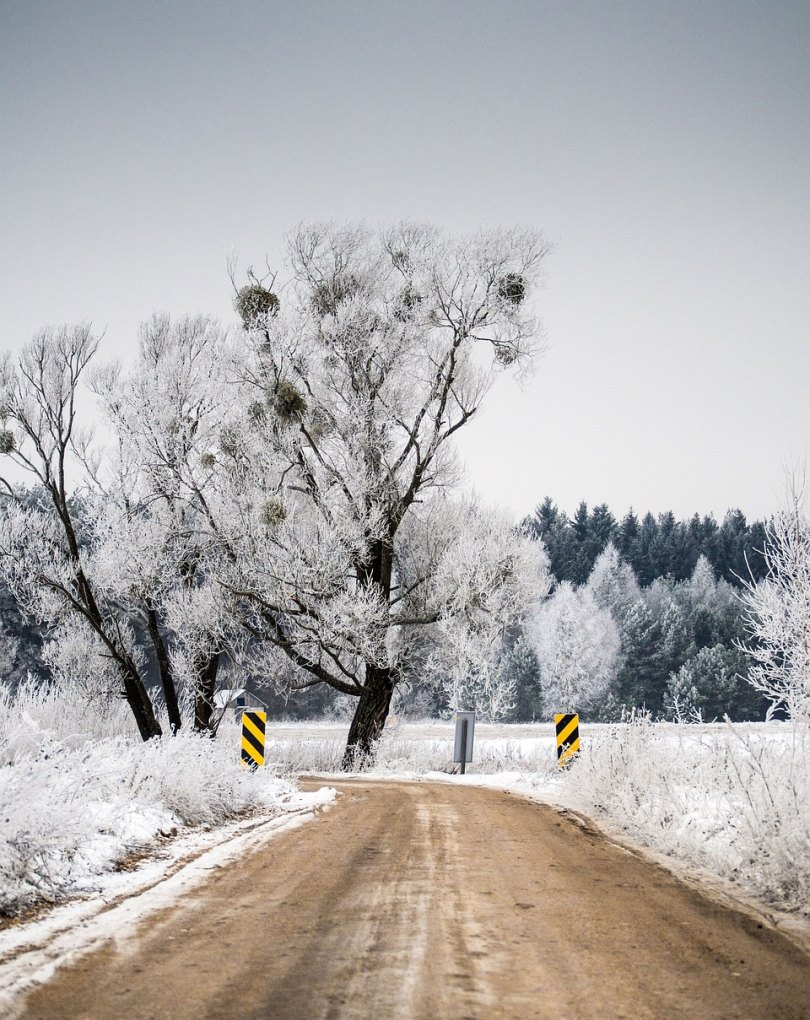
pixel 653 546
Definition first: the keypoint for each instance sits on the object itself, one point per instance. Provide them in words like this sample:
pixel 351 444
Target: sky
pixel 664 148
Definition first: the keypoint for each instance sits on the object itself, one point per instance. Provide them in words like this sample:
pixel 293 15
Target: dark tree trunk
pixel 378 686
pixel 206 671
pixel 138 700
pixel 82 599
pixel 369 718
pixel 164 669
pixel 135 690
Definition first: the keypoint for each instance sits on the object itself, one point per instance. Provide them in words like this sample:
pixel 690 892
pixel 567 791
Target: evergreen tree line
pixel 653 546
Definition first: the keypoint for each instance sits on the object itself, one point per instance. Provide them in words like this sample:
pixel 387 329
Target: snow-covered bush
pixel 74 802
pixel 36 708
pixel 734 800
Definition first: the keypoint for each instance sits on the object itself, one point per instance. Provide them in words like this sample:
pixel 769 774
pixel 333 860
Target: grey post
pixel 465 736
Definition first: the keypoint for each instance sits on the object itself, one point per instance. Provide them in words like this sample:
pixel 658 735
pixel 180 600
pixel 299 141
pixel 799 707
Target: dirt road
pixel 439 901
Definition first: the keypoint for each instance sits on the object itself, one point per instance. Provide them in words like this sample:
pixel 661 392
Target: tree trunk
pixel 204 694
pixel 138 700
pixel 369 719
pixel 165 670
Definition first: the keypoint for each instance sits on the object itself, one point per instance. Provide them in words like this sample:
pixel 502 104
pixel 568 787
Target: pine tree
pixel 521 663
pixel 640 673
pixel 645 560
pixel 710 686
pixel 627 537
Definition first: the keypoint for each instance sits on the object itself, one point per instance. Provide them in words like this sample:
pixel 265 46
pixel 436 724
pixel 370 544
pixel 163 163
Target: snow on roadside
pixel 31 952
pixel 75 802
pixel 69 815
pixel 731 800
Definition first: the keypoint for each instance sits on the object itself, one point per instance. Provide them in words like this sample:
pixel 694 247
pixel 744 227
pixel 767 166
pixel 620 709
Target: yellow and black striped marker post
pixel 253 724
pixel 567 738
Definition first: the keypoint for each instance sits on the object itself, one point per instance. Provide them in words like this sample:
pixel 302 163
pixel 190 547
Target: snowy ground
pixel 414 746
pixel 78 802
pixel 30 952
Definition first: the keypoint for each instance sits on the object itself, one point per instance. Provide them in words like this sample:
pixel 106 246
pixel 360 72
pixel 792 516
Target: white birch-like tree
pixel 155 533
pixel 44 554
pixel 613 582
pixel 382 349
pixel 778 615
pixel 577 645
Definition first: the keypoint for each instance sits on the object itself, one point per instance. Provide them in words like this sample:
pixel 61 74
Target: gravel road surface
pixel 419 900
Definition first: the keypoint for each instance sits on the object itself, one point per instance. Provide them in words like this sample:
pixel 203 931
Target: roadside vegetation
pixel 80 792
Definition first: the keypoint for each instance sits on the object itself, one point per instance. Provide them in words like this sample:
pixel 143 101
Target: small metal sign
pixel 465 734
pixel 567 727
pixel 253 727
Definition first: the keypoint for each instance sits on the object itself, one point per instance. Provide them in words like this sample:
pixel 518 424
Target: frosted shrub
pixel 67 715
pixel 734 800
pixel 40 836
pixel 74 803
pixel 773 791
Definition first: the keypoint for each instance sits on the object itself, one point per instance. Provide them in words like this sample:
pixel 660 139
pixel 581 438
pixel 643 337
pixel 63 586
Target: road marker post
pixel 253 726
pixel 567 727
pixel 465 736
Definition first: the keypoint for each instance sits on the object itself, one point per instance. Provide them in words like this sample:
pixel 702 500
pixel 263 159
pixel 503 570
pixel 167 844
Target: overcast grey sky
pixel 664 147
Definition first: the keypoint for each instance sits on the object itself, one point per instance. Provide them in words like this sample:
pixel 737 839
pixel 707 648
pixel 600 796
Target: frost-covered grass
pixel 75 799
pixel 732 800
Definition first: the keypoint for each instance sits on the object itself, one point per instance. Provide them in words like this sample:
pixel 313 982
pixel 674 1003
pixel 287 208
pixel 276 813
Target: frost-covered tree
pixel 280 494
pixel 519 664
pixel 706 687
pixel 43 556
pixel 778 615
pixel 155 533
pixel 641 671
pixel 702 588
pixel 613 583
pixel 577 646
pixel 486 575
pixel 382 349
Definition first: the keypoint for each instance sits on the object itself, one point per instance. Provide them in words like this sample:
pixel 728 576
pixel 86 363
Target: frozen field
pixel 427 745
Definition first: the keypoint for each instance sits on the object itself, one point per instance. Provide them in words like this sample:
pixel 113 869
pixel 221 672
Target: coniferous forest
pixel 653 546
pixel 644 613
